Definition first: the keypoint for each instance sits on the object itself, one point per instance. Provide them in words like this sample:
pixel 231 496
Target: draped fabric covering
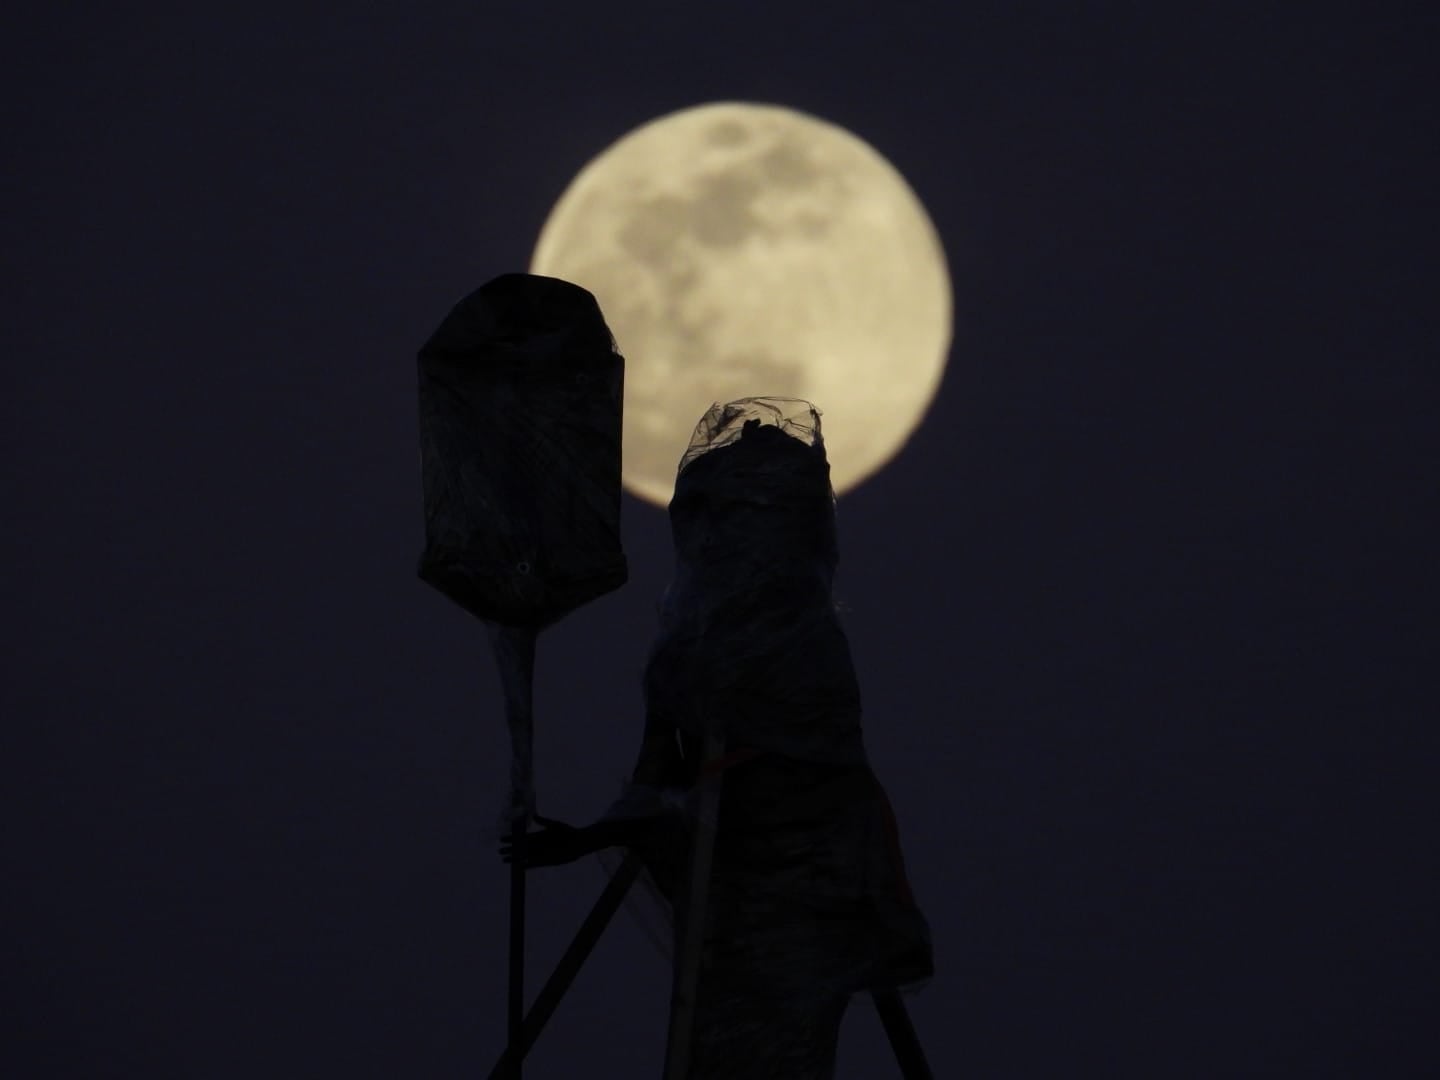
pixel 808 900
pixel 520 411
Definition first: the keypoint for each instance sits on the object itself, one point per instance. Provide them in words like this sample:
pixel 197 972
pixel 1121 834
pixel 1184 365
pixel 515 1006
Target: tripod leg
pixel 569 966
pixel 903 1040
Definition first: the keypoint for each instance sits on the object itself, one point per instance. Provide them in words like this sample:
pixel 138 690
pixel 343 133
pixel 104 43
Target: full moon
pixel 740 250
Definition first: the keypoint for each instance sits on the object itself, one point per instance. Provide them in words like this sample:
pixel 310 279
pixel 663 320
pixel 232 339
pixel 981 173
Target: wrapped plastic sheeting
pixel 808 896
pixel 521 391
pixel 750 638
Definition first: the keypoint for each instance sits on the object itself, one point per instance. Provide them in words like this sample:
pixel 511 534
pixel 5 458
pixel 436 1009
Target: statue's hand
pixel 555 844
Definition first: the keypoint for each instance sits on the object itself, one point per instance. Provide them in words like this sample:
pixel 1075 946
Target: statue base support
pixel 888 1003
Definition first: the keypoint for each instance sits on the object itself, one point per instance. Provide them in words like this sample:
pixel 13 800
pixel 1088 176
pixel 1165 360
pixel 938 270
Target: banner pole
pixel 514 649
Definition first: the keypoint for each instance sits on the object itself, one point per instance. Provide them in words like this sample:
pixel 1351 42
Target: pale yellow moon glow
pixel 740 250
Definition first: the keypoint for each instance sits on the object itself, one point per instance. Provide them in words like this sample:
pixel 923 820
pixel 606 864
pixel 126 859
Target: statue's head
pixel 753 493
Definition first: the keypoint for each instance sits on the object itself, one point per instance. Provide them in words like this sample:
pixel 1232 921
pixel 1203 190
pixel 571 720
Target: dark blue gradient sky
pixel 1144 615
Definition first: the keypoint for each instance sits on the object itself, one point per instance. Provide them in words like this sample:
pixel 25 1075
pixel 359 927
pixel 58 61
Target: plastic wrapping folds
pixel 521 391
pixel 809 897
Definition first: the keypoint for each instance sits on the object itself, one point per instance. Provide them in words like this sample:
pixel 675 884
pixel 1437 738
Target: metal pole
pixel 691 953
pixel 514 648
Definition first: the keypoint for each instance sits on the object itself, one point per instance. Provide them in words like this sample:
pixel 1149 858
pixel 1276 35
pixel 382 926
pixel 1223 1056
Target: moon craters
pixel 739 250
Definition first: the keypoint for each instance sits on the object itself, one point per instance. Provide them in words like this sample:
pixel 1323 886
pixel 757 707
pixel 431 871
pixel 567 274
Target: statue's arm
pixel 651 802
pixel 655 791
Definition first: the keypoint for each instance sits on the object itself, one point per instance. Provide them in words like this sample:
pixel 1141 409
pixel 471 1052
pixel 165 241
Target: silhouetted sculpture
pixel 806 901
pixel 520 412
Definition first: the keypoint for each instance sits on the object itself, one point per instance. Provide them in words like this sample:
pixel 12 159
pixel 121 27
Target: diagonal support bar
pixel 569 966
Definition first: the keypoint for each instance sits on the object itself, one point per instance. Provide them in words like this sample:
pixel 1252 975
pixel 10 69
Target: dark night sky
pixel 1144 614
